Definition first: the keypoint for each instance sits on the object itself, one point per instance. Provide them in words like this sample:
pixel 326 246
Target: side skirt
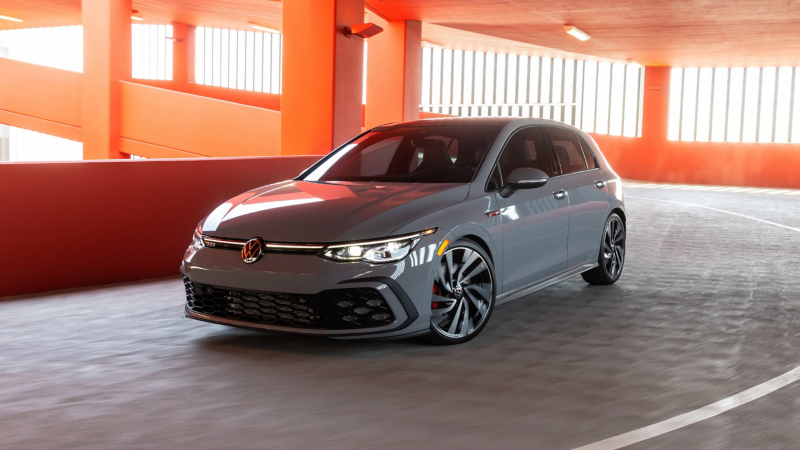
pixel 522 292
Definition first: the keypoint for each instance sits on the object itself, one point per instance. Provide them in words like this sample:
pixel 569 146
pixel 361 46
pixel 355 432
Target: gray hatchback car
pixel 412 228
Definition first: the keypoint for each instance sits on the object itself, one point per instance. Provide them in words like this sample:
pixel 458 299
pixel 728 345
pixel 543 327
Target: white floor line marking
pixel 716 189
pixel 706 412
pixel 714 409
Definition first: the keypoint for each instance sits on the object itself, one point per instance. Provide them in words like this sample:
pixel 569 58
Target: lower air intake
pixel 337 309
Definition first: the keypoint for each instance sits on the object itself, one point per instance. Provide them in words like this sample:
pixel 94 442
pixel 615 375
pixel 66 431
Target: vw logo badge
pixel 252 250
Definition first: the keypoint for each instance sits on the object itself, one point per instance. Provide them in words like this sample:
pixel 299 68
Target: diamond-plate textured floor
pixel 708 306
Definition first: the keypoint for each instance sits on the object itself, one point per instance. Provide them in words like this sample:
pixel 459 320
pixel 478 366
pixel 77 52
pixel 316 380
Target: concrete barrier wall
pixel 85 223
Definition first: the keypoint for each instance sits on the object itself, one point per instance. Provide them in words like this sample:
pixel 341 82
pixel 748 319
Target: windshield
pixel 410 154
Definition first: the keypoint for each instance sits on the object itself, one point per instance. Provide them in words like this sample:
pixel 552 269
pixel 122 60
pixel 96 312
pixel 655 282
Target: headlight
pixel 378 251
pixel 197 238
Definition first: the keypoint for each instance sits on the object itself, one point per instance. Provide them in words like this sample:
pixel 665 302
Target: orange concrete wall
pixel 654 158
pixel 85 223
pixel 198 125
pixel 40 98
pixel 717 163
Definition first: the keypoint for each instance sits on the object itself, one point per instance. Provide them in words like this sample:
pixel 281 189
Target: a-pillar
pixel 106 62
pixel 322 75
pixel 394 72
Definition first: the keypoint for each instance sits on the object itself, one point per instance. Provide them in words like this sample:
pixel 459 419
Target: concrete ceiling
pixel 666 32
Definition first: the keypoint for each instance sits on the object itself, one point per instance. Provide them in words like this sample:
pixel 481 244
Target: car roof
pixel 475 121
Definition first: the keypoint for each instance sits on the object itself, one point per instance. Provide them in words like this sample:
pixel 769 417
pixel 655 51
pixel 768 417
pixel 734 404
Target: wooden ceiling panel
pixel 654 32
pixel 38 14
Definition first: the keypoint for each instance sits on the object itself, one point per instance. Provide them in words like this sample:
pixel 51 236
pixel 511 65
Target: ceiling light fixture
pixel 364 30
pixel 13 19
pixel 577 32
pixel 432 45
pixel 265 29
pixel 136 18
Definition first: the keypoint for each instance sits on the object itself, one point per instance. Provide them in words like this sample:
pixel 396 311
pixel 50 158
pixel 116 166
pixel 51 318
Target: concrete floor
pixel 708 306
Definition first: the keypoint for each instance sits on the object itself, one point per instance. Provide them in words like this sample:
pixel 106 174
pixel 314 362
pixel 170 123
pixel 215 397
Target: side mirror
pixel 524 178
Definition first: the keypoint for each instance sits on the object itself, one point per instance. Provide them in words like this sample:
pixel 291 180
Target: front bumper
pixel 402 285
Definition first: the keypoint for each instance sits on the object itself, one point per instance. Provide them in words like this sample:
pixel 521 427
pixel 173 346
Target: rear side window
pixel 527 148
pixel 567 150
pixel 587 152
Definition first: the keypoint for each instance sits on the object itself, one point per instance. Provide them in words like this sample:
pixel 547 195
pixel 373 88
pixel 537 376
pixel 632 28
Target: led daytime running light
pixel 384 241
pixel 377 251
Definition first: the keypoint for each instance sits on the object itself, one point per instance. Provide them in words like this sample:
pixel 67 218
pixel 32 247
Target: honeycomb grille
pixel 337 309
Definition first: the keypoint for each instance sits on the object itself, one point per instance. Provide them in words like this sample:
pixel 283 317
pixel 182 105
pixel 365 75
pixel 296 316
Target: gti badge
pixel 252 250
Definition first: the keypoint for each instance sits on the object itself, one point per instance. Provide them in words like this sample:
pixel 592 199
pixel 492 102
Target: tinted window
pixel 527 148
pixel 587 152
pixel 567 150
pixel 408 154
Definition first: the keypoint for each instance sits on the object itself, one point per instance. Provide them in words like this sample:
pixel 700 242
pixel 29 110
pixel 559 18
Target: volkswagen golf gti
pixel 412 228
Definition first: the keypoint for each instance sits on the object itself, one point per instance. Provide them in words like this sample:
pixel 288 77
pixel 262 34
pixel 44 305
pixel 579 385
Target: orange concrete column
pixel 322 75
pixel 106 62
pixel 655 105
pixel 183 53
pixel 394 72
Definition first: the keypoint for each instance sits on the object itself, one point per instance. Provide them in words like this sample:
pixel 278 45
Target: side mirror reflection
pixel 524 178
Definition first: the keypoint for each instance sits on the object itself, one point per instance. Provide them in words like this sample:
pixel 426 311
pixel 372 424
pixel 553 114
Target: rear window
pixel 567 150
pixel 587 152
pixel 410 154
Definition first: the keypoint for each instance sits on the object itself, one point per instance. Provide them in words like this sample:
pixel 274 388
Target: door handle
pixel 559 194
pixel 600 184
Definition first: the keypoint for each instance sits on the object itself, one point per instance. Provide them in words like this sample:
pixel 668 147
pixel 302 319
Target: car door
pixel 586 191
pixel 535 221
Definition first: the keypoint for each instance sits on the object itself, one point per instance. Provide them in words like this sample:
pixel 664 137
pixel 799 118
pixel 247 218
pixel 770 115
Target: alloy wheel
pixel 614 247
pixel 462 293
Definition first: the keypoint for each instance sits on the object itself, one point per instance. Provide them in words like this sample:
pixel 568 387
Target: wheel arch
pixel 621 214
pixel 479 240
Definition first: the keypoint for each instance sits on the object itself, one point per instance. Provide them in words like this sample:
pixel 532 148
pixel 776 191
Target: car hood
pixel 300 211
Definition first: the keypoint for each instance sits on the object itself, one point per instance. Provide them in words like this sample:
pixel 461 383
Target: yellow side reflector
pixel 443 246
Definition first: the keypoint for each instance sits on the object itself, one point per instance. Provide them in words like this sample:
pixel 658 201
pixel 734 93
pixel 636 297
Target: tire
pixel 611 259
pixel 461 308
